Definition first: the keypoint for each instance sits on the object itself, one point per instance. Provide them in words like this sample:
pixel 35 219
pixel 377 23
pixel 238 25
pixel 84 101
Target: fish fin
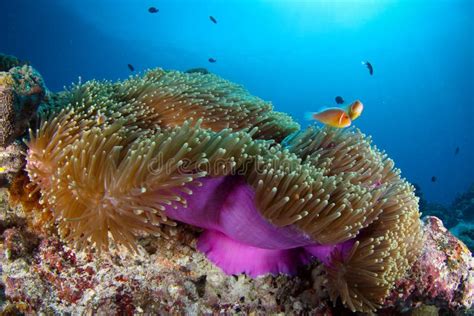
pixel 309 116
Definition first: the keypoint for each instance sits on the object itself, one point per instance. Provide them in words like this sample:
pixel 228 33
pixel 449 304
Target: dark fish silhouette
pixel 339 100
pixel 369 66
pixel 213 19
pixel 212 60
pixel 457 150
pixel 433 179
pixel 130 66
pixel 153 10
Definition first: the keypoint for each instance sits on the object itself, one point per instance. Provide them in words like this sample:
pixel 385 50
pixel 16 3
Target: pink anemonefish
pixel 334 117
pixel 355 109
pixel 337 117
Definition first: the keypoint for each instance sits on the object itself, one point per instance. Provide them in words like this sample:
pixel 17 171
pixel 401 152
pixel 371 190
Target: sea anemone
pixel 380 211
pixel 116 160
pixel 169 98
pixel 108 181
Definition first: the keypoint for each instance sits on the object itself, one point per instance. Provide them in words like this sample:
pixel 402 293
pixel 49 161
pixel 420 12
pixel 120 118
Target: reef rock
pixel 465 231
pixel 7 62
pixel 443 276
pixel 41 274
pixel 464 204
pixel 21 92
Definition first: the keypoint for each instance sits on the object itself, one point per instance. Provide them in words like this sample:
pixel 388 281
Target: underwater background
pixel 117 202
pixel 299 55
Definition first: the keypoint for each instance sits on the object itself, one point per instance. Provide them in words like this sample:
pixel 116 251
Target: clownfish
pixel 355 109
pixel 338 117
pixel 334 117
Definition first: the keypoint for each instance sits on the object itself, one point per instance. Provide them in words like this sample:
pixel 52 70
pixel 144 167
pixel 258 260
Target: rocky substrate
pixel 168 276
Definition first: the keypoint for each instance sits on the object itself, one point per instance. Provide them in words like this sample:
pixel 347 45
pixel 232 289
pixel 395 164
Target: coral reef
pixel 12 160
pixel 120 160
pixel 114 166
pixel 444 213
pixel 7 62
pixel 21 92
pixel 171 276
pixel 465 232
pixel 442 276
pixel 457 217
pixel 464 204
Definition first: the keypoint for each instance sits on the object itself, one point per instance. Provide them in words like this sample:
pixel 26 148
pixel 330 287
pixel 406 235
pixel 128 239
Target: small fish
pixel 100 118
pixel 212 60
pixel 213 19
pixel 3 169
pixel 433 179
pixel 369 66
pixel 153 10
pixel 457 150
pixel 334 117
pixel 355 109
pixel 130 66
pixel 339 100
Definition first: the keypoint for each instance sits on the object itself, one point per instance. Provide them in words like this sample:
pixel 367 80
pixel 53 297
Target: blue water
pixel 419 104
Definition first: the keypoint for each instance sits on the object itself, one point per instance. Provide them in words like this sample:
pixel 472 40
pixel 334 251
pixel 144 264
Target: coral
pixel 53 278
pixel 442 276
pixel 18 243
pixel 123 160
pixel 460 210
pixel 7 62
pixel 21 91
pixel 22 194
pixel 465 232
pixel 12 160
pixel 444 213
pixel 464 204
pixel 177 279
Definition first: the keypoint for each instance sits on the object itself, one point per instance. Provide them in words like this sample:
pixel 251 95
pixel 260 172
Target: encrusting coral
pixel 117 160
pixel 7 62
pixel 21 92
